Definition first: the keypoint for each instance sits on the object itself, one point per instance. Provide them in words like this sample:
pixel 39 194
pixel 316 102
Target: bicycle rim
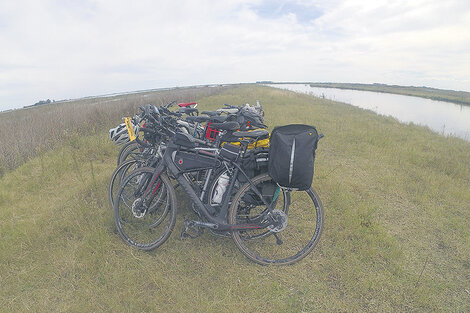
pixel 145 222
pixel 287 245
pixel 118 176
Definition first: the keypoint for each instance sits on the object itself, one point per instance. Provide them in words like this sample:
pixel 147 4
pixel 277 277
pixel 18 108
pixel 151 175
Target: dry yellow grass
pixel 26 133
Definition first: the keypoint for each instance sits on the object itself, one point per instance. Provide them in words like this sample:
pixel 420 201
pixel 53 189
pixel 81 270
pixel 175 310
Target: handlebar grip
pixel 170 104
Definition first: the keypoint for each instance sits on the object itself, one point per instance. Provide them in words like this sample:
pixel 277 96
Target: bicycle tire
pixel 129 145
pixel 158 215
pixel 304 225
pixel 133 153
pixel 118 176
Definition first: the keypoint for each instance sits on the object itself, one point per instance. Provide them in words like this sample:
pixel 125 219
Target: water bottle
pixel 220 189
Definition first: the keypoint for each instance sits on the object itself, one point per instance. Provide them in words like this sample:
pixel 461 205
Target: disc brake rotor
pixel 279 221
pixel 137 208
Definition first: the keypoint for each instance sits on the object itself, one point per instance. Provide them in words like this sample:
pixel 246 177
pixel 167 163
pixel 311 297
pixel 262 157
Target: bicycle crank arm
pixel 203 224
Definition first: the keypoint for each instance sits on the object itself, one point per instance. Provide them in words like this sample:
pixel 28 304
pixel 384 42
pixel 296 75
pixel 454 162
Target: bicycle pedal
pixel 189 230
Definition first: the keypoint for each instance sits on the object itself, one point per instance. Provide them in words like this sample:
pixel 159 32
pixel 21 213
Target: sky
pixel 66 49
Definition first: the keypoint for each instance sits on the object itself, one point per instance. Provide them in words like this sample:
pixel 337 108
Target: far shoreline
pixel 453 96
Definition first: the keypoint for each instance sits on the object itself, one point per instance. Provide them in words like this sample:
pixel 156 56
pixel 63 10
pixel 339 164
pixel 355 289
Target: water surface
pixel 446 118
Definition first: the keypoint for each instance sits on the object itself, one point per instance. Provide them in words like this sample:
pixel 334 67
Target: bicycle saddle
pixel 218 119
pixel 225 126
pixel 186 104
pixel 197 119
pixel 211 113
pixel 187 110
pixel 228 111
pixel 259 133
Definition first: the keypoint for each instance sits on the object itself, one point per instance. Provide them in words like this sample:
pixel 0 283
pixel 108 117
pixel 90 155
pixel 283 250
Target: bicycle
pixel 269 224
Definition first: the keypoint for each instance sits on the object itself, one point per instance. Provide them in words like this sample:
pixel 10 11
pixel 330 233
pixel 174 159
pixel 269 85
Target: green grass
pixel 396 236
pixel 459 97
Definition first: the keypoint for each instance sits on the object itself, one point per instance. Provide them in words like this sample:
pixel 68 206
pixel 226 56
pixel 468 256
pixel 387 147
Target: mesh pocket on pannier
pixel 292 154
pixel 229 151
pixel 254 162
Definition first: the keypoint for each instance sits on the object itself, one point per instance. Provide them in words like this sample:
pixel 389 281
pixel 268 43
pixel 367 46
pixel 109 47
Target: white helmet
pixel 256 109
pixel 120 135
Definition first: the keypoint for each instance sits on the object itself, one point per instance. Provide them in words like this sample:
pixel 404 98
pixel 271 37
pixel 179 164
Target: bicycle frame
pixel 214 222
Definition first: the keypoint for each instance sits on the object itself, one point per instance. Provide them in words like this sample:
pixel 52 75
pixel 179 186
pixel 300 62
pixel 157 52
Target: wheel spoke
pixel 145 221
pixel 298 217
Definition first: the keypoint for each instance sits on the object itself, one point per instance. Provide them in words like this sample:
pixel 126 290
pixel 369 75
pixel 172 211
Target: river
pixel 445 118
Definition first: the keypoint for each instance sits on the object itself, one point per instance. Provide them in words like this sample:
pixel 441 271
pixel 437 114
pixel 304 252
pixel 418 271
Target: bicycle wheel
pixel 145 222
pixel 300 216
pixel 118 176
pixel 136 152
pixel 128 146
pixel 130 151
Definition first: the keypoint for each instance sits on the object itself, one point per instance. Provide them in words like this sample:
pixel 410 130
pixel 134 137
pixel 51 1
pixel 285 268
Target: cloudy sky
pixel 73 48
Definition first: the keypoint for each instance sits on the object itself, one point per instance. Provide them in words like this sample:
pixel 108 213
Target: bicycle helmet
pixel 251 119
pixel 255 109
pixel 119 134
pixel 259 108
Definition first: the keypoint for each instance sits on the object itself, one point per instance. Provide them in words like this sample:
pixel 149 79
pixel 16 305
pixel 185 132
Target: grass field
pixel 25 133
pixel 396 235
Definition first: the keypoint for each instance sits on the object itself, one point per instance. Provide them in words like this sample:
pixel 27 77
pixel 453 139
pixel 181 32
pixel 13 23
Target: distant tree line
pixel 44 102
pixel 41 102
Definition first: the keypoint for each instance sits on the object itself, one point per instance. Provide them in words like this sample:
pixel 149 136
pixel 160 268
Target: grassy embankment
pixel 25 133
pixel 397 209
pixel 459 97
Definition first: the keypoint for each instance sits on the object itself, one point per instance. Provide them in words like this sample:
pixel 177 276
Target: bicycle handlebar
pixel 166 106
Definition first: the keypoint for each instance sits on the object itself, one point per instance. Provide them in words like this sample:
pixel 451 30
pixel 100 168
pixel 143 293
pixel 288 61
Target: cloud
pixel 67 49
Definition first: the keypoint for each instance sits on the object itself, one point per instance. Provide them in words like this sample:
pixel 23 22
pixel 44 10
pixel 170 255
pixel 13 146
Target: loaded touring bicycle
pixel 261 197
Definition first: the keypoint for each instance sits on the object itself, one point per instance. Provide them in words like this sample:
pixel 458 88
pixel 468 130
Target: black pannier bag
pixel 254 162
pixel 292 154
pixel 229 151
